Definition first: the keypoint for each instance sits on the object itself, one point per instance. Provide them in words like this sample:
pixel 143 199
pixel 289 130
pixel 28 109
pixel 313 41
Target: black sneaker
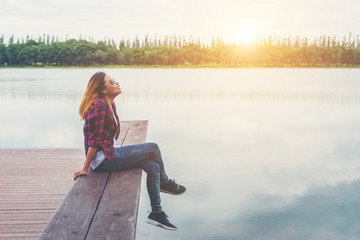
pixel 172 188
pixel 161 220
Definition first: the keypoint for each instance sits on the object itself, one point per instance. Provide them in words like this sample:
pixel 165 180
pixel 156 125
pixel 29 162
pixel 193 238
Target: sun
pixel 244 36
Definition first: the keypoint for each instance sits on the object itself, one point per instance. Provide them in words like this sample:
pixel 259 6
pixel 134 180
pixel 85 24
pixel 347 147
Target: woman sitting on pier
pixel 101 129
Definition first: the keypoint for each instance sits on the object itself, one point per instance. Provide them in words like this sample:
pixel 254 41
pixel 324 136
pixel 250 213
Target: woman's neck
pixel 109 100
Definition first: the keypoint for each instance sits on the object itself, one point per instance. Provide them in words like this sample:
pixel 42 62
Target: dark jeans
pixel 146 156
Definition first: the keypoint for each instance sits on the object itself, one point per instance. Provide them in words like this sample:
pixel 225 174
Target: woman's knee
pixel 153 145
pixel 151 167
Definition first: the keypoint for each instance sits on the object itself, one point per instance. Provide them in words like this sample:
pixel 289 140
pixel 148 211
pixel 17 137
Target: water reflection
pixel 38 93
pixel 328 212
pixel 265 153
pixel 325 212
pixel 34 92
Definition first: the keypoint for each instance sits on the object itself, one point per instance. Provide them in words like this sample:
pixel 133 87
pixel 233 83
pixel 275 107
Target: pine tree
pixel 137 42
pixel 350 41
pixel 334 42
pixel 146 41
pixel 344 42
pixel 297 42
pixel 155 41
pixel 315 42
pixel 11 40
pixel 122 44
pixel 128 43
pixel 305 42
pixel 175 41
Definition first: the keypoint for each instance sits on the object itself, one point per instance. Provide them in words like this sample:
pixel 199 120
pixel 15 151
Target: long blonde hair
pixel 92 93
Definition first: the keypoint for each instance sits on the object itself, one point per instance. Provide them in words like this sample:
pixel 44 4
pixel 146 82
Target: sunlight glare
pixel 244 36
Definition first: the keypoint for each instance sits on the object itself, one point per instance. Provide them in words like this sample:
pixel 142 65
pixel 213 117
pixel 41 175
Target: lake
pixel 264 153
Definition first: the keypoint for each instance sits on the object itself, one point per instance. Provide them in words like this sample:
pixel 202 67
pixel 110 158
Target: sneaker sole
pixel 164 191
pixel 152 222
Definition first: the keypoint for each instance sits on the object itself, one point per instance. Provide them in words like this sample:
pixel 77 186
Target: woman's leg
pixel 148 157
pixel 128 156
pixel 152 182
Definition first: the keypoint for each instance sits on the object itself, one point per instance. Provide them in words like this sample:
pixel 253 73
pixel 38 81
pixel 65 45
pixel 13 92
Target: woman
pixel 101 129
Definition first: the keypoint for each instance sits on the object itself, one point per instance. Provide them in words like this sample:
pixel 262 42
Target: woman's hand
pixel 79 173
pixel 89 156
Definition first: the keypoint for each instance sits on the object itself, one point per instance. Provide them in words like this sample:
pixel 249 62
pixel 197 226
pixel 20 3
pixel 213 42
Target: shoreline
pixel 175 67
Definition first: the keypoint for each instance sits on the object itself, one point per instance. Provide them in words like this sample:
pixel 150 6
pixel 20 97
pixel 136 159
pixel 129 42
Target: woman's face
pixel 112 87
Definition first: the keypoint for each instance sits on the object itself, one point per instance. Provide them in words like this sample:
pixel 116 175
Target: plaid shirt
pixel 100 128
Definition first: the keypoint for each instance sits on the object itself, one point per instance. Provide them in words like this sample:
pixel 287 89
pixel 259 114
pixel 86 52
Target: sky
pixel 232 20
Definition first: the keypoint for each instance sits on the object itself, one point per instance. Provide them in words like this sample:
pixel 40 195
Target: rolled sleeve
pixel 96 123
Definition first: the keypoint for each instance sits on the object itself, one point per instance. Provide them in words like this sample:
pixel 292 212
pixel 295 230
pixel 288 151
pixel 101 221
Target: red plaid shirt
pixel 100 128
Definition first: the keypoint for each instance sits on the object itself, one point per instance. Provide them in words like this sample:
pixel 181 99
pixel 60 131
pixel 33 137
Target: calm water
pixel 264 153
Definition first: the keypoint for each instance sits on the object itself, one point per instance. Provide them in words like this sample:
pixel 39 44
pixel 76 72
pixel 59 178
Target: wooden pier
pixel 33 182
pixel 36 183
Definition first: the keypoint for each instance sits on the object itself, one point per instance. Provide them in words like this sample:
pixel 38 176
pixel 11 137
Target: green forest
pixel 173 51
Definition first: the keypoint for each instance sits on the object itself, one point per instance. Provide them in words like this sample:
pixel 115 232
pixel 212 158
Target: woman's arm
pixel 89 156
pixel 96 120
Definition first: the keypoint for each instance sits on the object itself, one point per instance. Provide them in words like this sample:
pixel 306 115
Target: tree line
pixel 269 51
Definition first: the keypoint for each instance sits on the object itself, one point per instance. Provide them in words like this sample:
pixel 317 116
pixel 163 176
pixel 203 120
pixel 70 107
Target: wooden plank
pixel 20 228
pixel 72 218
pixel 26 216
pixel 117 212
pixel 21 235
pixel 75 214
pixel 27 198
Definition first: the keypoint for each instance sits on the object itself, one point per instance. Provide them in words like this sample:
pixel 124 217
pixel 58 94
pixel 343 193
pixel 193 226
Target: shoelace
pixel 174 182
pixel 163 212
